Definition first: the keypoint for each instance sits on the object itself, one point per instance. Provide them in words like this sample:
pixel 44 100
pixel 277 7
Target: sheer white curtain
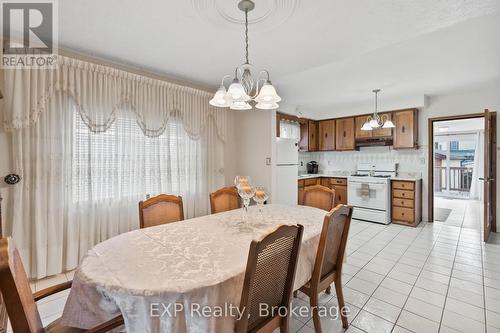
pixel 81 187
pixel 476 187
pixel 90 146
pixel 289 129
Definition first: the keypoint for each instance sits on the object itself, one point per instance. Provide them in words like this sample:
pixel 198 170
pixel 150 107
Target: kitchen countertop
pixel 318 175
pixel 409 179
pixel 344 175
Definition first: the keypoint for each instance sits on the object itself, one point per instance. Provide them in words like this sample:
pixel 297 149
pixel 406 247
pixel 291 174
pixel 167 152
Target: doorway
pixel 462 167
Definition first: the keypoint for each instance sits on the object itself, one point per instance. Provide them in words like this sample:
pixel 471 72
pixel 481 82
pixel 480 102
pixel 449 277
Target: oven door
pixel 368 195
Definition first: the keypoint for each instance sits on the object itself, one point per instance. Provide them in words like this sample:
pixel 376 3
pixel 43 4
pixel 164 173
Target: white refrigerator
pixel 287 167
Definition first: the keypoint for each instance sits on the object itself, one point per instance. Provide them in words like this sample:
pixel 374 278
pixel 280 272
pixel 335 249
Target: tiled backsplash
pixel 410 162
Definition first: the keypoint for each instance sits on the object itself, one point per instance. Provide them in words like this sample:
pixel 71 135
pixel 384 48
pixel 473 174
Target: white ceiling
pixel 320 53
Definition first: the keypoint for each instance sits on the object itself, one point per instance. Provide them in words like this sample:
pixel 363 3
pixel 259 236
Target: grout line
pixel 378 285
pixel 421 270
pixel 449 281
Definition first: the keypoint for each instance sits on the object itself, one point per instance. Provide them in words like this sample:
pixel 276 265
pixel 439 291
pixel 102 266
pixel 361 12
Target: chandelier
pixel 375 120
pixel 244 88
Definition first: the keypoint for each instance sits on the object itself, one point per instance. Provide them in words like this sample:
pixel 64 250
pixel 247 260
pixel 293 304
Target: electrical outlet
pixel 268 161
pixel 301 163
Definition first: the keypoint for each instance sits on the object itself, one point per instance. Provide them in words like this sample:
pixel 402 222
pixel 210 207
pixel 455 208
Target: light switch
pixel 268 161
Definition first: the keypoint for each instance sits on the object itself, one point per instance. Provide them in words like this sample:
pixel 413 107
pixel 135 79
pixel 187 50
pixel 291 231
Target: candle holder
pixel 261 196
pixel 246 192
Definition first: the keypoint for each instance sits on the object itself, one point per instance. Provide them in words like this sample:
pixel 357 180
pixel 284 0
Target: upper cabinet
pixel 383 132
pixel 406 130
pixel 313 135
pixel 359 122
pixel 376 133
pixel 344 134
pixel 326 138
pixel 308 135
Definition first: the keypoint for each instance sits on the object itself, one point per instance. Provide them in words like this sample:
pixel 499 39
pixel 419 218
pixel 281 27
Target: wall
pixel 249 145
pixel 485 96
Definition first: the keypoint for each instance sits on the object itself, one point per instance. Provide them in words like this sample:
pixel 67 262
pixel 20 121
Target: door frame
pixel 430 171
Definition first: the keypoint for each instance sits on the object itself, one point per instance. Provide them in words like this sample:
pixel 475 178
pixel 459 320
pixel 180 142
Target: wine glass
pixel 260 197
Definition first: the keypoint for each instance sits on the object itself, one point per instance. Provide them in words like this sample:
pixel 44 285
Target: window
pixel 289 130
pixel 124 163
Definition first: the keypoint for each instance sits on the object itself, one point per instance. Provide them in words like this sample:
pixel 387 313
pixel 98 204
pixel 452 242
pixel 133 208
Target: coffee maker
pixel 312 167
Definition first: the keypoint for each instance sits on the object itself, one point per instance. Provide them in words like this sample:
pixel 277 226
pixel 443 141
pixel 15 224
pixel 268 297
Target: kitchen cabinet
pixel 340 187
pixel 359 134
pixel 325 182
pixel 383 132
pixel 344 134
pixel 406 202
pixel 308 135
pixel 406 130
pixel 375 133
pixel 313 135
pixel 326 137
pixel 300 192
pixel 302 184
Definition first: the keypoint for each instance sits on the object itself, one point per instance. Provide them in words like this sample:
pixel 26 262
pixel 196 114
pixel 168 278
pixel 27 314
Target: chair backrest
pixel 332 242
pixel 16 291
pixel 269 275
pixel 162 209
pixel 319 196
pixel 224 199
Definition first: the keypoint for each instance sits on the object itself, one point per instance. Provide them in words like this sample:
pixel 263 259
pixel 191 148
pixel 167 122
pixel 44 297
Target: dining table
pixel 184 276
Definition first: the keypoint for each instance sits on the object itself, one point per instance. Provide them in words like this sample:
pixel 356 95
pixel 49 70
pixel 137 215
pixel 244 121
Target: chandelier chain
pixel 246 36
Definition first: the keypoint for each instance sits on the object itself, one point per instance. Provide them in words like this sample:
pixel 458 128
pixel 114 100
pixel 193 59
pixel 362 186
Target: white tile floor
pixel 433 278
pixel 465 213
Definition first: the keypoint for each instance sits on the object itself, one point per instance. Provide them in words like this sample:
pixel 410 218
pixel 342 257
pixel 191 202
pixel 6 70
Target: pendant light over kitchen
pixel 375 120
pixel 244 88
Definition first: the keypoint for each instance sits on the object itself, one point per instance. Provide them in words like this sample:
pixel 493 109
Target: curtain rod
pixel 101 61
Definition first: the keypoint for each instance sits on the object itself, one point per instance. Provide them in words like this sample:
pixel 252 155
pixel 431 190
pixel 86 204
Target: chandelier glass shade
pixel 244 90
pixel 375 120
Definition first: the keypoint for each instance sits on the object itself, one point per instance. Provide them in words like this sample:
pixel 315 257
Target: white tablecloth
pixel 196 261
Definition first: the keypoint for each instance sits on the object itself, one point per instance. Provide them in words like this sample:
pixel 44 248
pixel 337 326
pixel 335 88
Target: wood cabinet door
pixel 325 182
pixel 304 136
pixel 340 195
pixel 383 132
pixel 359 134
pixel 345 134
pixel 313 135
pixel 300 195
pixel 326 139
pixel 405 131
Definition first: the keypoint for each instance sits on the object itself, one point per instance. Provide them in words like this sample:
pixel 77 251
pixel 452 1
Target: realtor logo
pixel 29 33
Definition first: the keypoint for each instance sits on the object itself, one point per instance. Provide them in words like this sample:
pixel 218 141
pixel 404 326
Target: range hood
pixel 373 142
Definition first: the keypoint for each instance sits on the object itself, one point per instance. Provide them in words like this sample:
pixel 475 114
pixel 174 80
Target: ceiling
pixel 320 53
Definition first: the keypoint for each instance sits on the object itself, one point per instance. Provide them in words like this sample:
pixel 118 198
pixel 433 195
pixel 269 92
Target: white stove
pixel 369 192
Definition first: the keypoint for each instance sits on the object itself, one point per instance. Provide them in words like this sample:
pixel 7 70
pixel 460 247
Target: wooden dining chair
pixel 162 209
pixel 329 259
pixel 224 199
pixel 21 303
pixel 269 276
pixel 320 197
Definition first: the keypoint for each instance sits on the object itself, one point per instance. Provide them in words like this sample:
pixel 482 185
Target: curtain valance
pixel 99 91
